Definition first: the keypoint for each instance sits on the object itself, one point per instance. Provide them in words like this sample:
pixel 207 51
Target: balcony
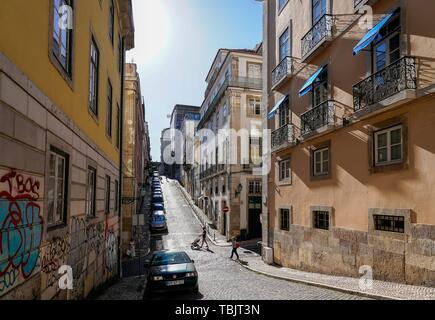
pixel 320 33
pixel 212 171
pixel 283 71
pixel 283 137
pixel 239 82
pixel 318 118
pixel 398 77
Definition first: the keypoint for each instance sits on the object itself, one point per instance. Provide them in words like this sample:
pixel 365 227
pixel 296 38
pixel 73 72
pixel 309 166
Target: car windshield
pixel 159 218
pixel 167 258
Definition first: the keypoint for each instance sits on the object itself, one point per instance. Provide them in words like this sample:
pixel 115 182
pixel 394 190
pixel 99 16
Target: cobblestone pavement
pixel 220 277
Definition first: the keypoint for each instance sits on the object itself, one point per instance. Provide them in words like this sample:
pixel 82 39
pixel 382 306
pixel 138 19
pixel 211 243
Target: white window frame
pixel 389 146
pixel 61 219
pixel 323 171
pixel 254 103
pixel 287 169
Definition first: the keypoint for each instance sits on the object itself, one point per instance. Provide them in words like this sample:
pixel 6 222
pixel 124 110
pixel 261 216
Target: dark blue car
pixel 158 206
pixel 171 271
pixel 157 199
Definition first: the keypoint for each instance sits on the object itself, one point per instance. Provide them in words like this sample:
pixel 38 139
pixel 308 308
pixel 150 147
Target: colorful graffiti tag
pixel 21 228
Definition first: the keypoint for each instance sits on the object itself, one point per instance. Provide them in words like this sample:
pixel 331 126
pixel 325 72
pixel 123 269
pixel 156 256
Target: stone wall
pixel 407 258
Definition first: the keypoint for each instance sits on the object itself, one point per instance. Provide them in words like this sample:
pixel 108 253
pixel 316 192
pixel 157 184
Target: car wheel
pixel 196 290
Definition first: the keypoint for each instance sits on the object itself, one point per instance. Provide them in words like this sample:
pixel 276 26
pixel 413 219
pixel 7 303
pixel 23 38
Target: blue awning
pixel 275 109
pixel 308 85
pixel 373 33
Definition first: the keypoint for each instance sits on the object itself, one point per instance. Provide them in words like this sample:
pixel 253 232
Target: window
pixel 285 219
pixel 254 105
pixel 111 21
pixel 225 110
pixel 284 170
pixel 320 89
pixel 255 150
pixel 255 187
pixel 107 206
pixel 118 126
pixel 90 197
pixel 321 220
pixel 63 34
pixel 284 114
pixel 93 78
pixel 116 195
pixel 321 162
pixel 284 45
pixel 387 49
pixel 109 109
pixel 389 146
pixel 319 10
pixel 57 187
pixel 120 54
pixel 254 70
pixel 390 223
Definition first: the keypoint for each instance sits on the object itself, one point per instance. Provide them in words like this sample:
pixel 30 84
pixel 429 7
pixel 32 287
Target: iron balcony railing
pixel 322 30
pixel 212 171
pixel 356 3
pixel 284 68
pixel 398 76
pixel 240 82
pixel 283 136
pixel 318 117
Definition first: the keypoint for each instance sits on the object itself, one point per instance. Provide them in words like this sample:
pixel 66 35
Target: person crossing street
pixel 235 246
pixel 204 237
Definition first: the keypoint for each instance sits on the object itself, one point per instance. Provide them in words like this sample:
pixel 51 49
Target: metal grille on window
pixel 321 220
pixel 285 219
pixel 390 223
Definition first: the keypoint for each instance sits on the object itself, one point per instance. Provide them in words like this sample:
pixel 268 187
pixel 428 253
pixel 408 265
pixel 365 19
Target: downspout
pixel 121 158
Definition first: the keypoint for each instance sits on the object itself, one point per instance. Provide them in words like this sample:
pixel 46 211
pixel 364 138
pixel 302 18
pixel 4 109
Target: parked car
pixel 158 221
pixel 159 207
pixel 157 198
pixel 171 271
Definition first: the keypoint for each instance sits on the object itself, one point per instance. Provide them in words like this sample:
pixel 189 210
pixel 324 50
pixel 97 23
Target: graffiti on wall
pixel 53 256
pixel 21 228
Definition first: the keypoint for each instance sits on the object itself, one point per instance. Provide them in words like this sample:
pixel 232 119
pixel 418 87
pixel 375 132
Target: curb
pixel 321 285
pixel 189 201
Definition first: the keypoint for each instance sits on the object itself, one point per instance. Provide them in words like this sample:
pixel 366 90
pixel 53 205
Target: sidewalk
pixel 213 235
pixel 379 290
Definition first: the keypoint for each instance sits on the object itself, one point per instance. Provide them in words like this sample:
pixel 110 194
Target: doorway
pixel 254 215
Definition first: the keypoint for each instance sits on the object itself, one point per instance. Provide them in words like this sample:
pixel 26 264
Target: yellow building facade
pixel 61 70
pixel 350 95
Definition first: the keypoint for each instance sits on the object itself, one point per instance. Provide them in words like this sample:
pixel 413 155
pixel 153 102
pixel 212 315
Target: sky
pixel 175 44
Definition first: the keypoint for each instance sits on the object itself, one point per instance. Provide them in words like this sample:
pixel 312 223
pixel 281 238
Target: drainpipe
pixel 121 144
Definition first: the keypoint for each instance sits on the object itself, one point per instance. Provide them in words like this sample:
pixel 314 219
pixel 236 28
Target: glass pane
pixel 317 157
pixel 59 211
pixel 325 155
pixel 50 209
pixel 382 155
pixel 382 140
pixel 396 152
pixel 60 189
pixel 51 186
pixel 396 136
pixel 52 165
pixel 380 56
pixel 318 168
pixel 61 168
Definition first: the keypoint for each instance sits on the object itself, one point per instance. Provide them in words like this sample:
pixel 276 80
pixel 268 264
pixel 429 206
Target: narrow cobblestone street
pixel 220 278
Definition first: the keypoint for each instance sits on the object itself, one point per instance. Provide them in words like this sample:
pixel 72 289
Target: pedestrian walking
pixel 204 237
pixel 235 246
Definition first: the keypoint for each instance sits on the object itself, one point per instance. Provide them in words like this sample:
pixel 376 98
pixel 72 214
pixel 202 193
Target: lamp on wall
pixel 239 189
